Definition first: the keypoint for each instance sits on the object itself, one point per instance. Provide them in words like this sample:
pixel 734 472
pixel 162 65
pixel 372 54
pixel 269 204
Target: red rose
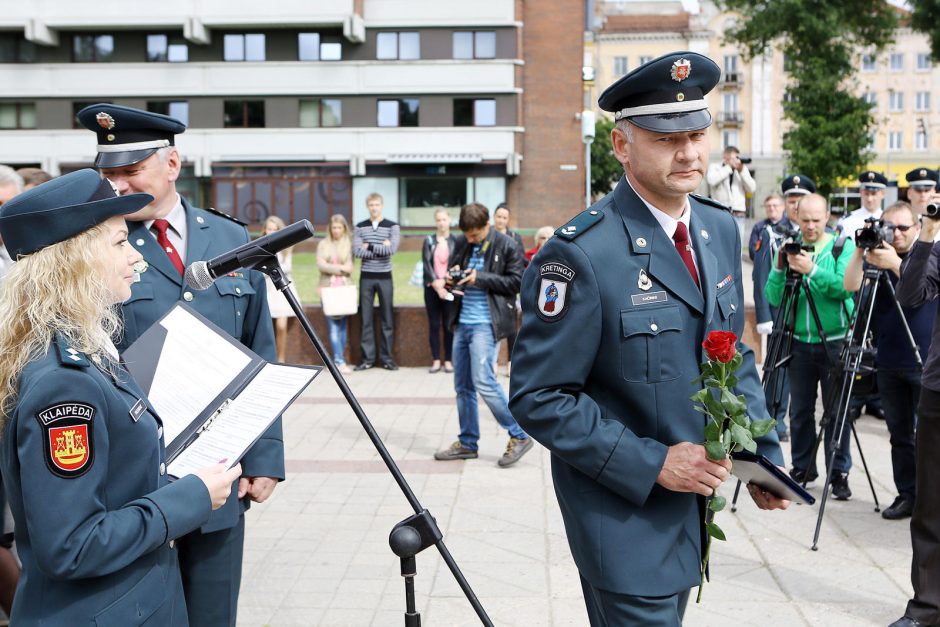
pixel 720 346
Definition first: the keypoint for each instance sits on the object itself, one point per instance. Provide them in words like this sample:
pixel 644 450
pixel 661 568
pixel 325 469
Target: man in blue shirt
pixel 898 373
pixel 486 270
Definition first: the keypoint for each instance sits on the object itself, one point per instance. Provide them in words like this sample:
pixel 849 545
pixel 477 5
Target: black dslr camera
pixel 874 234
pixel 794 248
pixel 454 277
pixel 785 232
pixel 745 160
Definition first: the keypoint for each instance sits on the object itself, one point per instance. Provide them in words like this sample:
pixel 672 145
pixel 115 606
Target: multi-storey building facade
pixel 901 83
pixel 304 108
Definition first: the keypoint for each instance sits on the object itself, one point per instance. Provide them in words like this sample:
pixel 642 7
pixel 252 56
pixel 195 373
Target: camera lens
pixel 932 211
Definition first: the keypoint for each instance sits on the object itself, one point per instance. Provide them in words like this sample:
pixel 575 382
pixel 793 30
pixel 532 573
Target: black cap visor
pixel 674 122
pixel 121 159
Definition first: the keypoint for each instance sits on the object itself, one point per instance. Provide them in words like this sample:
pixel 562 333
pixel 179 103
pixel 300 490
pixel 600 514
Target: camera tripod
pixel 780 345
pixel 851 367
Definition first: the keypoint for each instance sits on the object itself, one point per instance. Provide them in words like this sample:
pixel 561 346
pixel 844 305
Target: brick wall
pixel 552 47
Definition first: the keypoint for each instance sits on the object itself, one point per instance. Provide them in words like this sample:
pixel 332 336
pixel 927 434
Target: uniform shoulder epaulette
pixel 224 215
pixel 69 356
pixel 579 224
pixel 710 202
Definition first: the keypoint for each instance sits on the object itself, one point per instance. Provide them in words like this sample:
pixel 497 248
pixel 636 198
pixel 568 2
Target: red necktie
pixel 164 241
pixel 681 238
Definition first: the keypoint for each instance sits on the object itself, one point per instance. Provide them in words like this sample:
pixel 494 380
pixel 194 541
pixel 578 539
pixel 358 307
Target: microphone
pixel 201 274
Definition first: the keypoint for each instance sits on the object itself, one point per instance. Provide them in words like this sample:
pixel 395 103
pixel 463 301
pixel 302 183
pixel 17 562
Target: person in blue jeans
pixel 485 273
pixel 335 262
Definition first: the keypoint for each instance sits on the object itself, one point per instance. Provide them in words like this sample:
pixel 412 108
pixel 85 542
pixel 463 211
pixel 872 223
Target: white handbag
pixel 339 300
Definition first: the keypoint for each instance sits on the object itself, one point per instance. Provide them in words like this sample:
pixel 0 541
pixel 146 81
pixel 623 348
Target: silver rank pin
pixel 141 266
pixel 73 354
pixel 704 234
pixel 643 282
pixel 568 230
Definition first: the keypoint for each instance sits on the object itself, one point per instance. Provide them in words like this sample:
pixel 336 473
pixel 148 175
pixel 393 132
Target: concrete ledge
pixel 411 337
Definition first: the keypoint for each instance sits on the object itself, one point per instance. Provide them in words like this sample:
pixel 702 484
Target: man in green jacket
pixel 823 273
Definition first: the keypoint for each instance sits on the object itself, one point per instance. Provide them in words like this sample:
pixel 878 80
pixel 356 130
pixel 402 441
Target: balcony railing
pixel 730 118
pixel 732 80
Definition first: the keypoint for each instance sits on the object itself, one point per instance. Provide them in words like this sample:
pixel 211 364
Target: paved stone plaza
pixel 317 553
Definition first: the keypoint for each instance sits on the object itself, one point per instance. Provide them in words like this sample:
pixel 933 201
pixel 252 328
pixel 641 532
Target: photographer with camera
pixel 729 183
pixel 920 284
pixel 884 245
pixel 485 273
pixel 809 367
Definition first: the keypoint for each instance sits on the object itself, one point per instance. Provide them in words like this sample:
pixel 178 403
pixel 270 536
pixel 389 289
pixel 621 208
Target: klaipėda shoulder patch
pixel 555 279
pixel 68 438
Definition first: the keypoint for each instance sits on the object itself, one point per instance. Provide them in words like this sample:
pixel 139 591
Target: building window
pixel 920 140
pixel 247 47
pixel 14 48
pixel 895 138
pixel 896 61
pixel 923 101
pixel 159 48
pixel 402 112
pixel 321 113
pixel 895 101
pixel 621 66
pixel 868 63
pixel 871 98
pixel 923 61
pixel 474 112
pixel 92 48
pixel 729 138
pixel 398 46
pixel 178 109
pixel 730 102
pixel 244 114
pixel 645 59
pixel 731 63
pixel 474 44
pixel 312 47
pixel 17 115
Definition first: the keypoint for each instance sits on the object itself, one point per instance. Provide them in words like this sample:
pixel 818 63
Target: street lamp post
pixel 587 136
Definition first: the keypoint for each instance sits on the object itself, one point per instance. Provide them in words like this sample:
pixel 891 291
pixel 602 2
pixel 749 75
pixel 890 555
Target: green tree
pixel 925 18
pixel 820 40
pixel 605 169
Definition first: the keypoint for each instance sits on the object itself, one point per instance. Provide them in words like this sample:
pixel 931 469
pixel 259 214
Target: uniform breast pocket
pixel 727 307
pixel 234 297
pixel 649 352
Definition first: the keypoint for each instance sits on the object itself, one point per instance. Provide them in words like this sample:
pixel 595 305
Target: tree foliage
pixel 605 169
pixel 925 18
pixel 821 40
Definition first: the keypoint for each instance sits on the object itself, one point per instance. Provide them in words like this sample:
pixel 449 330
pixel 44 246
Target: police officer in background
pixel 615 309
pixel 137 153
pixel 873 187
pixel 921 188
pixel 794 187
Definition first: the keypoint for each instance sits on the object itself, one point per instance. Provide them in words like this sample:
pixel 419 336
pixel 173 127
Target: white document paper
pixel 195 366
pixel 234 430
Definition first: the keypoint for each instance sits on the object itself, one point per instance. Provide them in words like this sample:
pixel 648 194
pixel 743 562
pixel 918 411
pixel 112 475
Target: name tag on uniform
pixel 648 299
pixel 137 410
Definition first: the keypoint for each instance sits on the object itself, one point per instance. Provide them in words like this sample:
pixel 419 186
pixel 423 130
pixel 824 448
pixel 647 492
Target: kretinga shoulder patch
pixel 68 438
pixel 555 279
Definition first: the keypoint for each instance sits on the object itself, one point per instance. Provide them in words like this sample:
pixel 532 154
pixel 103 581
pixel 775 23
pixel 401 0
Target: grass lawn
pixel 307 277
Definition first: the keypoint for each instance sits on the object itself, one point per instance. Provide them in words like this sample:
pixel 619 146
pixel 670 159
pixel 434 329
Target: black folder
pixel 142 359
pixel 759 470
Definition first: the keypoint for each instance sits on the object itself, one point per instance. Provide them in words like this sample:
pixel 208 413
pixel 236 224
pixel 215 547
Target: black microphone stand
pixel 415 533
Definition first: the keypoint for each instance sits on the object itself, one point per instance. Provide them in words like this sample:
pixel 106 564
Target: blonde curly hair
pixel 58 289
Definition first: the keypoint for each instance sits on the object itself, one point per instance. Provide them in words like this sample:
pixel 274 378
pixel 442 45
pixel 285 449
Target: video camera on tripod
pixel 874 234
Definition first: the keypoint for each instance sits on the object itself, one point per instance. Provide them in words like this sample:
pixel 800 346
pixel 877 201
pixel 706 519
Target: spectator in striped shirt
pixel 375 241
pixel 485 273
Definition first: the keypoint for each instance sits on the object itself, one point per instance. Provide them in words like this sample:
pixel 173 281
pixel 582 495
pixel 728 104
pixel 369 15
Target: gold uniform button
pixel 188 296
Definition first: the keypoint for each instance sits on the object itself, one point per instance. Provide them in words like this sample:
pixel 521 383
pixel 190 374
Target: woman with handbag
pixel 277 303
pixel 437 300
pixel 335 262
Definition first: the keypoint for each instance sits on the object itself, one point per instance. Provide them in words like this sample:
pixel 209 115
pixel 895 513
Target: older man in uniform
pixel 615 309
pixel 136 152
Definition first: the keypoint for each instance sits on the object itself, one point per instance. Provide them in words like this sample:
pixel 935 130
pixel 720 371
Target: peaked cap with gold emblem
pixel 666 95
pixel 127 135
